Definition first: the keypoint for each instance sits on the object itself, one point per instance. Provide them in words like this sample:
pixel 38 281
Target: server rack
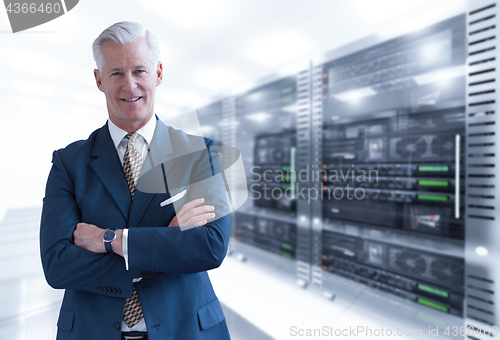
pixel 212 121
pixel 216 121
pixel 392 166
pixel 481 211
pixel 271 130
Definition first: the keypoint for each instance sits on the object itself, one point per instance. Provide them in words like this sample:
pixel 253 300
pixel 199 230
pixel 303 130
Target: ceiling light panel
pixel 280 48
pixel 217 78
pixel 181 98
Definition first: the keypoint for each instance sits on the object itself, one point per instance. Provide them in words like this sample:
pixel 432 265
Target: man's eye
pixel 141 71
pixel 115 74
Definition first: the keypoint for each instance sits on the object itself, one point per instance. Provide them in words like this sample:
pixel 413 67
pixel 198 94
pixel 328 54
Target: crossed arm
pixel 89 236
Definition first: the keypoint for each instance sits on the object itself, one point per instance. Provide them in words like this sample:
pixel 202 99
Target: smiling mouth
pixel 131 100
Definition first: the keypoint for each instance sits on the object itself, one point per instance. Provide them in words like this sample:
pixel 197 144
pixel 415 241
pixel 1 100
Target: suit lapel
pixel 108 168
pixel 160 151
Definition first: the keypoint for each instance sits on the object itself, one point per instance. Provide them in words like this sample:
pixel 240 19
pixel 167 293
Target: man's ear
pixel 97 76
pixel 159 73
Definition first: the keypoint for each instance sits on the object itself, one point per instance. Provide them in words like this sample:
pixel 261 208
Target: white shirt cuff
pixel 125 252
pixel 125 246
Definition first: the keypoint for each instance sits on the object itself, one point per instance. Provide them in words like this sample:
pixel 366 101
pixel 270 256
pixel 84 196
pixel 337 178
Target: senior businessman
pixel 135 215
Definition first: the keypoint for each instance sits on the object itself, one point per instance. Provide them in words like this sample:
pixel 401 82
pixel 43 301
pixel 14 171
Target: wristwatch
pixel 108 237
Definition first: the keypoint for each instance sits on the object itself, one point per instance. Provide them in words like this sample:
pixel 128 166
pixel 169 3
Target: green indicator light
pixel 438 168
pixel 285 187
pixel 286 178
pixel 286 246
pixel 433 183
pixel 433 305
pixel 286 168
pixel 433 198
pixel 433 290
pixel 286 99
pixel 287 90
pixel 288 256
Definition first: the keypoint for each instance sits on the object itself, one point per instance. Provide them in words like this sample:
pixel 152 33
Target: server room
pixel 356 147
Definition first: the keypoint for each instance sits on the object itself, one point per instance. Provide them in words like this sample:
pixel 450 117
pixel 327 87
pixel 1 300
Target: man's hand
pixel 89 237
pixel 192 213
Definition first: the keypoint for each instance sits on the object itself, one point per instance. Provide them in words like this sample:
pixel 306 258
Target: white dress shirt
pixel 142 144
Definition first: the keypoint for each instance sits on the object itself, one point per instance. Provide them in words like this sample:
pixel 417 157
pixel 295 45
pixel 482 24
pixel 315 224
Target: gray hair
pixel 125 32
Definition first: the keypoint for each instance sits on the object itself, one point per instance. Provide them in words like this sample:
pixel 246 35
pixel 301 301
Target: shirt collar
pixel 146 131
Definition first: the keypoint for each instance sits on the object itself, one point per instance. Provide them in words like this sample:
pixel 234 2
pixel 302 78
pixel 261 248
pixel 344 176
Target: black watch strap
pixel 108 247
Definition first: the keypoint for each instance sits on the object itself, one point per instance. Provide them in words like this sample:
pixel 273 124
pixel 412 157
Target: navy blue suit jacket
pixel 87 184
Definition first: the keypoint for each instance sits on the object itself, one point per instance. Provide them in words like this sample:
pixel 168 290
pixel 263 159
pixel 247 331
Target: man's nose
pixel 129 83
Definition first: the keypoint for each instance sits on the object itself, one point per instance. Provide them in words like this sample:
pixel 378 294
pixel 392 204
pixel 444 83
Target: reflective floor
pixel 29 307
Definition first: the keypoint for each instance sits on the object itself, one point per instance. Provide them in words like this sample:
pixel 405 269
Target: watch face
pixel 109 236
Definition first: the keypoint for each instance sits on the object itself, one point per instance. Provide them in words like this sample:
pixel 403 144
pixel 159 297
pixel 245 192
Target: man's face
pixel 129 80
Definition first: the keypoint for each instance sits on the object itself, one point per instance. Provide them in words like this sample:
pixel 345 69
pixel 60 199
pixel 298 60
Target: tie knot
pixel 132 138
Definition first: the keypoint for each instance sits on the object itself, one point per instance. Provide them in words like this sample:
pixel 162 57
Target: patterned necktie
pixel 132 164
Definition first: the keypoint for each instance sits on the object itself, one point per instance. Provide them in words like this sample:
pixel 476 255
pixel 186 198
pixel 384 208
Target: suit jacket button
pixel 99 289
pixel 116 326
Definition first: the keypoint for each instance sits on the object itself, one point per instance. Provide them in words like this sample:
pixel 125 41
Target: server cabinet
pixel 212 121
pixel 391 168
pixel 482 232
pixel 217 122
pixel 266 226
